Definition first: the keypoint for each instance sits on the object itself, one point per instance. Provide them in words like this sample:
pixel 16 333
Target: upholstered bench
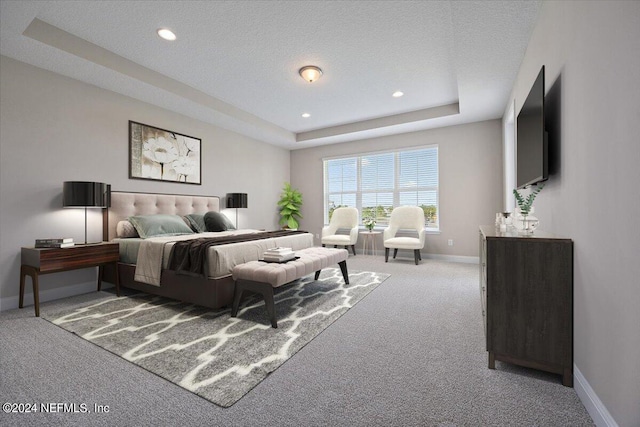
pixel 262 277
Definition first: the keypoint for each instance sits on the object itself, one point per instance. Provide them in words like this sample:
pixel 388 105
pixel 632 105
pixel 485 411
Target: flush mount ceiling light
pixel 166 34
pixel 305 115
pixel 397 94
pixel 310 73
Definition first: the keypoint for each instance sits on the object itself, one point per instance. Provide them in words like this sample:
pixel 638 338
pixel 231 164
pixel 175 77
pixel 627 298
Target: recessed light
pixel 166 34
pixel 397 94
pixel 305 115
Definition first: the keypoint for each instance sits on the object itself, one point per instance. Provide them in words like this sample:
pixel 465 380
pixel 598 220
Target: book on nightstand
pixel 54 243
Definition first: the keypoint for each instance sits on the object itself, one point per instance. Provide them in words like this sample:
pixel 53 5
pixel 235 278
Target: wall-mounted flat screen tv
pixel 532 164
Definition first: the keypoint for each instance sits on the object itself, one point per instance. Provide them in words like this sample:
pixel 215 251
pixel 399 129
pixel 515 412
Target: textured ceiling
pixel 235 63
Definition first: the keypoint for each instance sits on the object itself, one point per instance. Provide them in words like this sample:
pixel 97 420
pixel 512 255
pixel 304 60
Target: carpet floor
pixel 412 353
pixel 208 352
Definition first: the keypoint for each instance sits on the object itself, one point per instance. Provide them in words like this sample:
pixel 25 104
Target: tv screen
pixel 531 140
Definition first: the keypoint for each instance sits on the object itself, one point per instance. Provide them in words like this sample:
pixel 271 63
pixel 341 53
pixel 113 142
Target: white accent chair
pixel 405 218
pixel 342 218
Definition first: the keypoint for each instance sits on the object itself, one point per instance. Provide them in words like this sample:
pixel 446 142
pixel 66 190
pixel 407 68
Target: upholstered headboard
pixel 125 204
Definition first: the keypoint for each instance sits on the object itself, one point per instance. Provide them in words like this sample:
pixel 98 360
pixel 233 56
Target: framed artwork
pixel 163 155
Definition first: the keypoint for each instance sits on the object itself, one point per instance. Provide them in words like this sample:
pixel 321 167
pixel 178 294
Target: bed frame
pixel 212 293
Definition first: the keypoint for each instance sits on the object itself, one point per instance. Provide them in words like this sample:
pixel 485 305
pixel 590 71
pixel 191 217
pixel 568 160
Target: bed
pixel 214 287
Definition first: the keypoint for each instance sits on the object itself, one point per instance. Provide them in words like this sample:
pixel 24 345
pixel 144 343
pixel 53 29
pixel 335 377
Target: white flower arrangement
pixel 369 223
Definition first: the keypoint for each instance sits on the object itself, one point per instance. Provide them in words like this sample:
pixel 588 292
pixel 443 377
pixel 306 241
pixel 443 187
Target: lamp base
pixel 85 232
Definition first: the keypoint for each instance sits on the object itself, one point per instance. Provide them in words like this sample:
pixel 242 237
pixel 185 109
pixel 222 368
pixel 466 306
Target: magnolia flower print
pixel 161 151
pixel 192 145
pixel 184 166
pixel 163 155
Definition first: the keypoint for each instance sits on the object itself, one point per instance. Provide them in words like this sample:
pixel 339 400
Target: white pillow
pixel 125 230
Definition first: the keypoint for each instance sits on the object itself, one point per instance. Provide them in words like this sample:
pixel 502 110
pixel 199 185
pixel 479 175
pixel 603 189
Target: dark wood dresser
pixel 526 290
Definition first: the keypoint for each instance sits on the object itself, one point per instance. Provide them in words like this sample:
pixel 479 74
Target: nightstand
pixel 37 261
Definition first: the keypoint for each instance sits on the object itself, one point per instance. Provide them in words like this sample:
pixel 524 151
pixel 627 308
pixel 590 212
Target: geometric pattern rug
pixel 208 352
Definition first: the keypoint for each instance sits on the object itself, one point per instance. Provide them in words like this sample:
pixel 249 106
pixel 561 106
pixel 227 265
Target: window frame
pixel 435 227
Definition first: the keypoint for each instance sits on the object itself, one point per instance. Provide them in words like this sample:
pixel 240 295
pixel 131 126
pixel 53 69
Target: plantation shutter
pixel 375 183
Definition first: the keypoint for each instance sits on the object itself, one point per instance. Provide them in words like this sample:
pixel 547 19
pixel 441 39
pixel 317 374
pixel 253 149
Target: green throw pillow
pixel 197 222
pixel 215 221
pixel 159 225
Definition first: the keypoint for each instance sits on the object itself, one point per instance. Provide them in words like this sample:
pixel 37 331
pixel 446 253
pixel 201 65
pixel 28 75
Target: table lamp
pixel 237 200
pixel 83 194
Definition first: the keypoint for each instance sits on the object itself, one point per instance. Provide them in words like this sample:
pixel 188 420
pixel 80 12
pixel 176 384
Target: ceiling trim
pixel 381 122
pixel 60 39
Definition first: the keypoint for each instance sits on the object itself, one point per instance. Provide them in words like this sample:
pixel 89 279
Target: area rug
pixel 210 353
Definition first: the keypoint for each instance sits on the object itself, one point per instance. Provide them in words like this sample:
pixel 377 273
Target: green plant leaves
pixel 525 204
pixel 290 203
pixel 292 223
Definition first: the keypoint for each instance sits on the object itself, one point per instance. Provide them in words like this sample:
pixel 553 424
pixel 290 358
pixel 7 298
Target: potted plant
pixel 289 205
pixel 525 206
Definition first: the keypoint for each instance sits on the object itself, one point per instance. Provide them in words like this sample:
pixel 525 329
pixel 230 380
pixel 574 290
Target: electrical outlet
pixel 317 236
pixel 450 242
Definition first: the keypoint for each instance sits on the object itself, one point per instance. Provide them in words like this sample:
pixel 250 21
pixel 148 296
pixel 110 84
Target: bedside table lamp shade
pixel 83 194
pixel 237 200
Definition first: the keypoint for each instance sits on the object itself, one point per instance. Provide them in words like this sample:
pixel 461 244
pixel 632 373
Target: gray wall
pixel 54 129
pixel 591 51
pixel 470 174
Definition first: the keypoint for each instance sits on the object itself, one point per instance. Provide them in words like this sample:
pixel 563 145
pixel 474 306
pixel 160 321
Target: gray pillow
pixel 159 225
pixel 196 221
pixel 215 221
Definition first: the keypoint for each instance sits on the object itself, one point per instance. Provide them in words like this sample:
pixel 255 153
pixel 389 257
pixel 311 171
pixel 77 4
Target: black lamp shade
pixel 82 194
pixel 237 200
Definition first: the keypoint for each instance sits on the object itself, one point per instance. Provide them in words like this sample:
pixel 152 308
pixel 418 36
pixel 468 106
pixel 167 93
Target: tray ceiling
pixel 235 64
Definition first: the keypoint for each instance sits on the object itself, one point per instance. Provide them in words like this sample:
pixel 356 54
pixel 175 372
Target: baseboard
pixel 9 303
pixel 439 257
pixel 454 258
pixel 601 417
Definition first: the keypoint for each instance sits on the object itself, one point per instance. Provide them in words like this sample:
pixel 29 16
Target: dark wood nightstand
pixel 53 260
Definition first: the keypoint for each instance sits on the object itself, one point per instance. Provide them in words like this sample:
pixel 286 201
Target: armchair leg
pixel 353 248
pixel 386 254
pixel 323 245
pixel 395 252
pixel 416 255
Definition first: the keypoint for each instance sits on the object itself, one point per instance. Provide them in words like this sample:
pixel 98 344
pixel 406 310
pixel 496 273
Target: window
pixel 375 183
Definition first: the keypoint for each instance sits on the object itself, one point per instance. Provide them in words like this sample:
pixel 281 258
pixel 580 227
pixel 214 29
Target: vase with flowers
pixel 527 223
pixel 369 223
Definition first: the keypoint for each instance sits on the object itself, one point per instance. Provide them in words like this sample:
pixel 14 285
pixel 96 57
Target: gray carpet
pixel 411 353
pixel 208 352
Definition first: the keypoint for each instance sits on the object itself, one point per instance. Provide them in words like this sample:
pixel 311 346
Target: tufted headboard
pixel 125 204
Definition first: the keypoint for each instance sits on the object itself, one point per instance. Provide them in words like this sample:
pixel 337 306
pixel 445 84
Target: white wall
pixel 55 129
pixel 470 174
pixel 591 51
